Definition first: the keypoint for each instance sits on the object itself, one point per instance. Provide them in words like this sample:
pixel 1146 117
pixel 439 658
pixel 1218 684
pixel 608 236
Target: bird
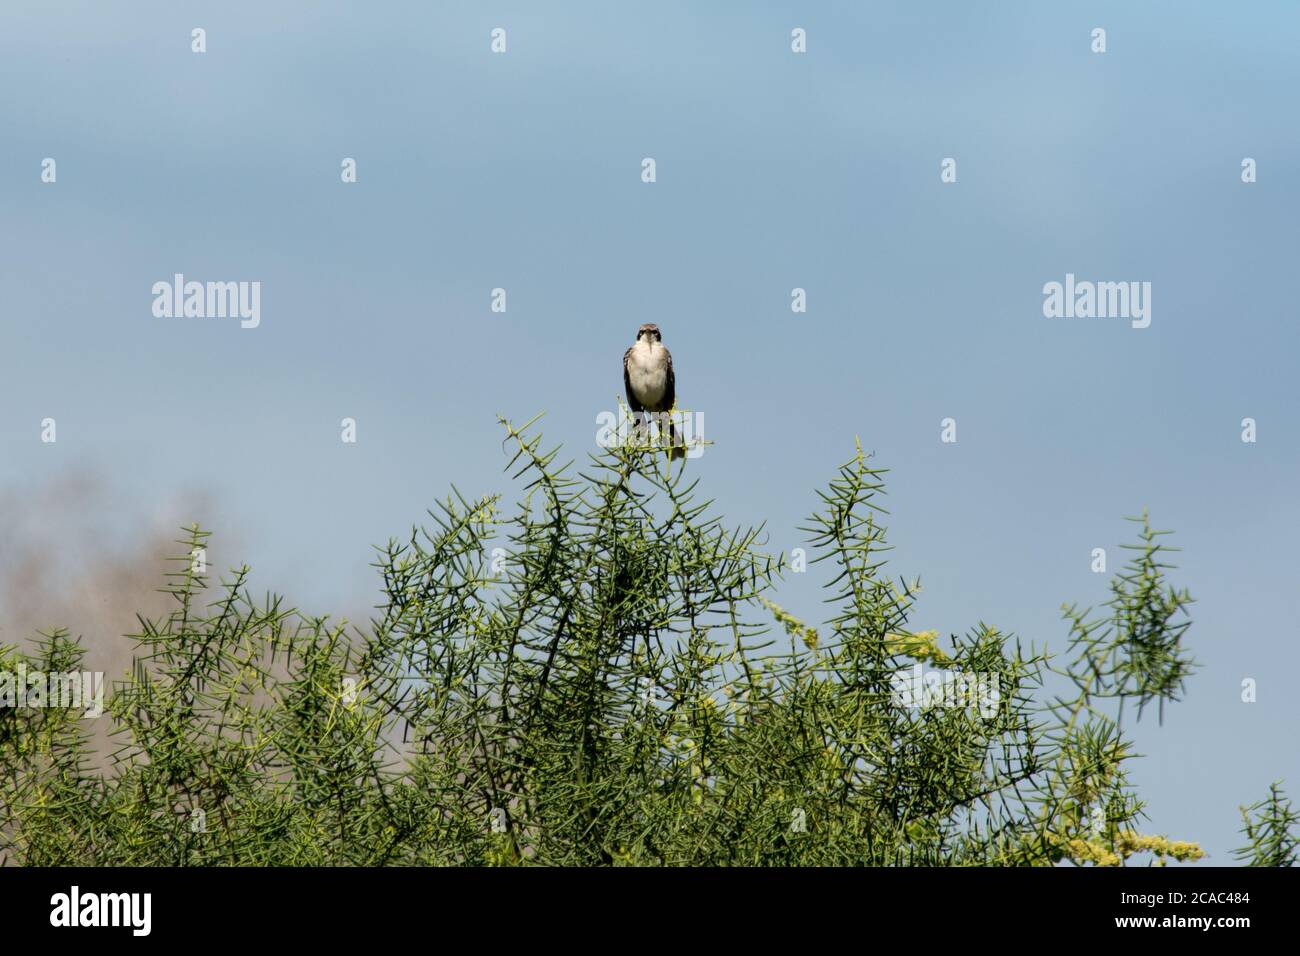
pixel 649 381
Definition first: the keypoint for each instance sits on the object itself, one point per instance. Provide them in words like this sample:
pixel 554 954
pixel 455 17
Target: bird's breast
pixel 647 373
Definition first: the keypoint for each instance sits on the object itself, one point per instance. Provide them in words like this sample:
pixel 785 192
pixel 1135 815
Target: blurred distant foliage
pixel 607 688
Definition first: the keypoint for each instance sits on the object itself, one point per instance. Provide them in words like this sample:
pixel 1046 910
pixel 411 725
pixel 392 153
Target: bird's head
pixel 649 333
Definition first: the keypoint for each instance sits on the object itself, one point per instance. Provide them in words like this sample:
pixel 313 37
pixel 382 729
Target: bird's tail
pixel 678 447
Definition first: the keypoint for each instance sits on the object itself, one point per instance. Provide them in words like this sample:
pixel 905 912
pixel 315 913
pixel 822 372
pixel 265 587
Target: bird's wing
pixel 670 391
pixel 632 403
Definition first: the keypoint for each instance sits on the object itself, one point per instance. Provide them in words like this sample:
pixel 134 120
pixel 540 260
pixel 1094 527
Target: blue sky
pixel 774 171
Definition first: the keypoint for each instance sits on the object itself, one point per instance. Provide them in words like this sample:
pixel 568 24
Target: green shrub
pixel 609 688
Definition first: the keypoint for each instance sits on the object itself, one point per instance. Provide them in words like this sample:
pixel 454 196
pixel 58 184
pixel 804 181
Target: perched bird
pixel 649 381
